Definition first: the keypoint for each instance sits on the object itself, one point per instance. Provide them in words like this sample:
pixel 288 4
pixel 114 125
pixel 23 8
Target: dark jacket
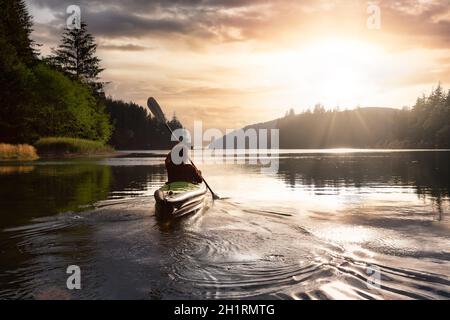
pixel 182 172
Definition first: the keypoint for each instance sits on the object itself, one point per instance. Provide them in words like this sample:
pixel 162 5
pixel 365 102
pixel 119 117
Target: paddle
pixel 159 115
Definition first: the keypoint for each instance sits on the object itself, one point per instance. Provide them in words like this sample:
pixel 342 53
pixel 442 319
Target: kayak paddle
pixel 159 115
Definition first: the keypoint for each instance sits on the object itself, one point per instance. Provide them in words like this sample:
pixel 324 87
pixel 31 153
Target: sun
pixel 336 71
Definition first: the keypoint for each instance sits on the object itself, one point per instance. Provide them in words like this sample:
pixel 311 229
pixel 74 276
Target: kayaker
pixel 182 172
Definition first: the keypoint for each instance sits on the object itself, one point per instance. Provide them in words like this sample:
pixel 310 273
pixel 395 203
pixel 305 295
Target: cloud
pixel 221 117
pixel 221 91
pixel 199 57
pixel 414 22
pixel 437 75
pixel 125 47
pixel 118 24
pixel 405 21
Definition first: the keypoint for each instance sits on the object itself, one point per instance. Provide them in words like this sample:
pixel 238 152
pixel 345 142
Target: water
pixel 328 225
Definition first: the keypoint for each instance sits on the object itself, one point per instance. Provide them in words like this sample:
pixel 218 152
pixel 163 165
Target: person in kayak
pixel 182 172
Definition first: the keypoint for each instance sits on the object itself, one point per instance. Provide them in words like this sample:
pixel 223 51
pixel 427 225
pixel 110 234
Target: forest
pixel 425 125
pixel 61 95
pixel 134 129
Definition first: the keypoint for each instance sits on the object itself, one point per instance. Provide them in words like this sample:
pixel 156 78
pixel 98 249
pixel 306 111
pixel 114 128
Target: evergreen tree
pixel 16 28
pixel 135 129
pixel 35 99
pixel 16 56
pixel 175 123
pixel 76 57
pixel 291 112
pixel 319 108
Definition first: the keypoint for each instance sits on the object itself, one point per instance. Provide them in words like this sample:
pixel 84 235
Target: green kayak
pixel 179 198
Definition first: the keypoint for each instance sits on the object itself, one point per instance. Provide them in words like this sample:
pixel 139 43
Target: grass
pixel 61 146
pixel 17 152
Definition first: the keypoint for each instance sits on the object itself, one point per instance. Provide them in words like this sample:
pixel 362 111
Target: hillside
pixel 360 128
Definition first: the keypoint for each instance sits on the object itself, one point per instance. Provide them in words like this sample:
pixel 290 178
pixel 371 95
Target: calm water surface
pixel 327 225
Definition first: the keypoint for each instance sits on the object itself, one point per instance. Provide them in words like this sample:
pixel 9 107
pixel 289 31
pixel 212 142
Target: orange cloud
pixel 234 62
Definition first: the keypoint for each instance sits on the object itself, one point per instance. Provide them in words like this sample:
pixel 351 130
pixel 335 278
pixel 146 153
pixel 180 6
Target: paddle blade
pixel 156 110
pixel 216 197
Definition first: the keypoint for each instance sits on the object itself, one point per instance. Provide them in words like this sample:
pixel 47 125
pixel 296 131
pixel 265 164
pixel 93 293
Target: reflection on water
pixel 47 190
pixel 317 229
pixel 426 172
pixel 14 169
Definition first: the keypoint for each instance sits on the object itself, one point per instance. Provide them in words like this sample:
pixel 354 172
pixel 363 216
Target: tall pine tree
pixel 76 57
pixel 16 57
pixel 35 99
pixel 15 30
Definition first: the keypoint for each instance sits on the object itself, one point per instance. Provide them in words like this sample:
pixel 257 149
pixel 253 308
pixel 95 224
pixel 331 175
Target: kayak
pixel 179 198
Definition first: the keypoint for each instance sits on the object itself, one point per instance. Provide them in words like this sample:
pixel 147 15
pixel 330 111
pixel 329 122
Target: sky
pixel 230 63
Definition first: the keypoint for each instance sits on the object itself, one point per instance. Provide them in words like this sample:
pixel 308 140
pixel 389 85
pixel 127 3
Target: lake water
pixel 329 224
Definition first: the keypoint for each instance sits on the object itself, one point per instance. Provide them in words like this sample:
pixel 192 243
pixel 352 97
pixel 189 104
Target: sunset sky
pixel 237 62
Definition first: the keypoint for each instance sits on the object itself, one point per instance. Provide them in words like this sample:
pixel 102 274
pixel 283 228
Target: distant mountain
pixel 221 143
pixel 358 128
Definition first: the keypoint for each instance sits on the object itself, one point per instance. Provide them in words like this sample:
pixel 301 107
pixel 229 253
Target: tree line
pixel 425 125
pixel 61 94
pixel 135 129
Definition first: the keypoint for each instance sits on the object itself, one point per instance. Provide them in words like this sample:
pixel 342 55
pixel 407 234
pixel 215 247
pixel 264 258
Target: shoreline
pixel 149 154
pixel 64 156
pixel 78 155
